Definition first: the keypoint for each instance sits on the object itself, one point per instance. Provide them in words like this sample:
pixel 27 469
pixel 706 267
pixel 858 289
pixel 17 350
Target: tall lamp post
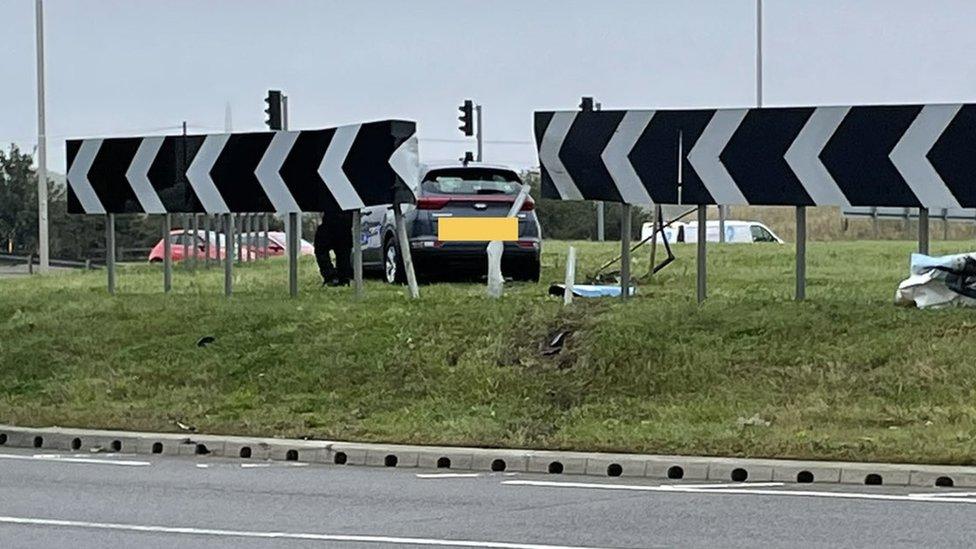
pixel 42 225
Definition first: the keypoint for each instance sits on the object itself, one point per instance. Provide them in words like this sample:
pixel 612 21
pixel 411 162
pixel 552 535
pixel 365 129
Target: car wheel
pixel 392 265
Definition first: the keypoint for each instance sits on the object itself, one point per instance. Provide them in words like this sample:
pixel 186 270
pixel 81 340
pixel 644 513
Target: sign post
pixel 625 223
pixel 293 253
pixel 167 253
pixel 228 254
pixel 801 253
pixel 702 235
pixel 110 251
pixel 357 252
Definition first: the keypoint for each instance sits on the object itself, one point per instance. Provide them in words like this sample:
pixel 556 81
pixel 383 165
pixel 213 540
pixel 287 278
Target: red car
pixel 251 248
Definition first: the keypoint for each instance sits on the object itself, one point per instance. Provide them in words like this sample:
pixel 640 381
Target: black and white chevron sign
pixel 900 155
pixel 287 171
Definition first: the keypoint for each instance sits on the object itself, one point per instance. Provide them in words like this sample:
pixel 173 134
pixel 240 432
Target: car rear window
pixel 471 181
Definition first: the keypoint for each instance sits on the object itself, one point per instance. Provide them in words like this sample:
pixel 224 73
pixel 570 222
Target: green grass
pixel 845 375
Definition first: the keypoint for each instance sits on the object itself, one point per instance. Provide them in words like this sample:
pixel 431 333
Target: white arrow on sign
pixel 138 175
pixel 78 176
pixel 552 142
pixel 908 156
pixel 803 156
pixel 199 174
pixel 704 156
pixel 331 168
pixel 405 162
pixel 268 172
pixel 615 157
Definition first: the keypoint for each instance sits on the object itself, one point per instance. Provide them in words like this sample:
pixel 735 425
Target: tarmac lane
pixel 92 500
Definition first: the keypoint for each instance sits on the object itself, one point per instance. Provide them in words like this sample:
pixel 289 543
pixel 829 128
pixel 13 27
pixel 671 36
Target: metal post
pixel 721 224
pixel 196 236
pixel 702 234
pixel 266 241
pixel 478 133
pixel 405 254
pixel 186 241
pixel 357 252
pixel 228 254
pixel 923 231
pixel 238 229
pixel 599 221
pixel 167 253
pixel 207 248
pixel 110 251
pixel 759 61
pixel 293 253
pixel 42 221
pixel 801 253
pixel 945 224
pixel 625 222
pixel 874 223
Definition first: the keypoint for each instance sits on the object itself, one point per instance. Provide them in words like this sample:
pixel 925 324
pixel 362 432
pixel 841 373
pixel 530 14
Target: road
pixel 110 500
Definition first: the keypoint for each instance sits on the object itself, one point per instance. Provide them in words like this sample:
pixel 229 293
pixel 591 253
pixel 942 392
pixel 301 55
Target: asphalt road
pixel 106 500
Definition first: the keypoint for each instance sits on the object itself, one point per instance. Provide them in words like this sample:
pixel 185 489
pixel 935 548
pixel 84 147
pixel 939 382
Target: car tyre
pixel 393 271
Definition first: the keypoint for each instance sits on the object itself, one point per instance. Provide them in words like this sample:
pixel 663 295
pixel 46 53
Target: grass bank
pixel 845 375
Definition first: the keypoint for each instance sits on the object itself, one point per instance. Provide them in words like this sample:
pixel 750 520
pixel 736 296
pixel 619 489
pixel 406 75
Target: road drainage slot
pixel 291 455
pixel 76 444
pixel 3 438
pixel 444 463
pixel 804 477
pixel 340 458
pixel 245 452
pixel 498 465
pixel 116 445
pixel 944 482
pixel 676 473
pixel 614 470
pixel 390 460
pixel 201 450
pixel 38 442
pixel 739 475
pixel 157 448
pixel 873 479
pixel 556 468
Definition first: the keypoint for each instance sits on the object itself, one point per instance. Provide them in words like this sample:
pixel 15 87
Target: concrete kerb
pixel 486 460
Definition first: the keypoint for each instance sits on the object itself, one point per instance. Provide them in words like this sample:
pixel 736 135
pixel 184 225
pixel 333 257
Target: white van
pixel 735 232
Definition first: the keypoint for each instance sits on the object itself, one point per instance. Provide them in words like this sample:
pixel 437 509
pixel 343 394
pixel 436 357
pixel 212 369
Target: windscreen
pixel 473 181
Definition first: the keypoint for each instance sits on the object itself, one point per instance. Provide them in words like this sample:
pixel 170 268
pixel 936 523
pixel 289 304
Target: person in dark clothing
pixel 335 235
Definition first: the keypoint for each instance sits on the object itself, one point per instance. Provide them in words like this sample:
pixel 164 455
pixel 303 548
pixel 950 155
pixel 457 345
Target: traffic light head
pixel 274 109
pixel 467 117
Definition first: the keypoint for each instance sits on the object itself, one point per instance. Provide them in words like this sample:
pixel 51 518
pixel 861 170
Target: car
pixel 277 244
pixel 196 246
pixel 464 189
pixel 735 232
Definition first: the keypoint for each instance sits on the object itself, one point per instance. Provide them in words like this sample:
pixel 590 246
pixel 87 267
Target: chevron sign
pixel 310 170
pixel 900 155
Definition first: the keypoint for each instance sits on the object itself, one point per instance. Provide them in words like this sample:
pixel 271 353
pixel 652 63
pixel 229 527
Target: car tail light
pixel 528 205
pixel 432 202
pixel 527 244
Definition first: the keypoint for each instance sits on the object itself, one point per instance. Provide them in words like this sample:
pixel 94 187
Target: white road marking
pixel 64 459
pixel 944 495
pixel 254 465
pixel 727 485
pixel 390 540
pixel 447 475
pixel 742 489
pixel 203 465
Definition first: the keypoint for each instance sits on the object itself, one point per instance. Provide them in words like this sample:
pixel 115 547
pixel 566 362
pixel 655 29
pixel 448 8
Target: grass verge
pixel 845 375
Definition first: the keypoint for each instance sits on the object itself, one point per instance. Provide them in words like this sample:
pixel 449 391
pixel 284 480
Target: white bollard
pixel 495 279
pixel 570 276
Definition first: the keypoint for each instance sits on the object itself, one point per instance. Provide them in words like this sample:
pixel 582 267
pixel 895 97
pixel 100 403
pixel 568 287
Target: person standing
pixel 334 235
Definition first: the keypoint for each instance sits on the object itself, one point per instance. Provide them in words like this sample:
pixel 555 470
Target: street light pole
pixel 42 222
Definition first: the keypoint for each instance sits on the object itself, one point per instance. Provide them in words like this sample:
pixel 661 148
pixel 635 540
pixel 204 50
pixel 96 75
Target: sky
pixel 142 67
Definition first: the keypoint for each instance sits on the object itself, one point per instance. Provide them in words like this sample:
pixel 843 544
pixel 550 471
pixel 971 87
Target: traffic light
pixel 274 109
pixel 467 117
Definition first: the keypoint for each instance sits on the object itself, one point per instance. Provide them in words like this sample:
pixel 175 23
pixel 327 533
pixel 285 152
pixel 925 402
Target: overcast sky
pixel 137 67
